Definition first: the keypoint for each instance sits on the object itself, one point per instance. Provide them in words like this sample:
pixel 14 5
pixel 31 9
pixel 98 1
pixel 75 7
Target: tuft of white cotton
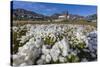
pixel 40 61
pixel 15 29
pixel 64 46
pixel 33 50
pixel 62 59
pixel 55 52
pixel 45 51
pixel 48 58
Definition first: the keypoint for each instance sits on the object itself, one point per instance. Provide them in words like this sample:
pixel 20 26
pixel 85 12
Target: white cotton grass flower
pixel 54 52
pixel 24 39
pixel 23 64
pixel 34 50
pixel 40 61
pixel 92 42
pixel 48 58
pixel 64 46
pixel 62 59
pixel 15 29
pixel 45 51
pixel 43 57
pixel 18 59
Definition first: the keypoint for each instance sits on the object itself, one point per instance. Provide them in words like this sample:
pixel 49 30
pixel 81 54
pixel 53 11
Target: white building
pixel 64 16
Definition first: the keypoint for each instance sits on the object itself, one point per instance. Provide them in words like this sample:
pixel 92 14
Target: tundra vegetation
pixel 34 44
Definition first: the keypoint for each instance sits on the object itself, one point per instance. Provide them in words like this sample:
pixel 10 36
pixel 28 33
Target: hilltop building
pixel 64 16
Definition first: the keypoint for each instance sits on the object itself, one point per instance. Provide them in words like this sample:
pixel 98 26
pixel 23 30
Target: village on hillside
pixel 24 15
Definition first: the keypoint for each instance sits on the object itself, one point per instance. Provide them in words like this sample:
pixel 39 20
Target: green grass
pixel 49 41
pixel 79 22
pixel 15 41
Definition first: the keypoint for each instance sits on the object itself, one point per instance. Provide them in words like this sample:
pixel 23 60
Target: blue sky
pixel 51 8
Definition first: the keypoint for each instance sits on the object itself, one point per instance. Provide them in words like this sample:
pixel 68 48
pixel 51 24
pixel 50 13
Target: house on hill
pixel 64 16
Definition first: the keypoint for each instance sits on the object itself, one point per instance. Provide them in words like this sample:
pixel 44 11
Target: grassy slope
pixel 46 22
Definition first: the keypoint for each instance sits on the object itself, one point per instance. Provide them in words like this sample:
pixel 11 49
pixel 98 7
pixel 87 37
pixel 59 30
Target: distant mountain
pixel 22 14
pixel 75 17
pixel 92 18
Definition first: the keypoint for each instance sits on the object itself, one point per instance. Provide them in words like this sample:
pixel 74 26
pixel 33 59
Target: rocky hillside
pixel 22 14
pixel 92 18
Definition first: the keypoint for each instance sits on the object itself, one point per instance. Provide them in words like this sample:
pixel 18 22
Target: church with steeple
pixel 64 15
